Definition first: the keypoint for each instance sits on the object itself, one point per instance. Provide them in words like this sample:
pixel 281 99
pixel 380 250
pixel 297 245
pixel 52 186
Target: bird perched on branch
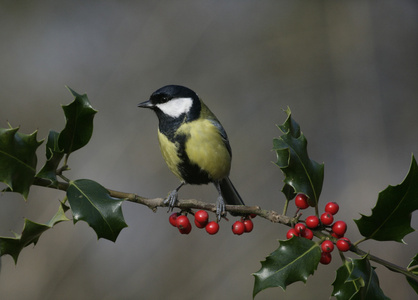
pixel 193 143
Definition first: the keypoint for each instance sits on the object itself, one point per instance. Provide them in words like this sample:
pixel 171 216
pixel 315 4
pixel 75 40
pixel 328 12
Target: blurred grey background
pixel 348 70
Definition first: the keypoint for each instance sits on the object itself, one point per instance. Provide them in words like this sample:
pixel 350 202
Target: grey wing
pixel 223 134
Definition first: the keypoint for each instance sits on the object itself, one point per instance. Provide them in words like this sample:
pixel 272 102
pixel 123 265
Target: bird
pixel 193 143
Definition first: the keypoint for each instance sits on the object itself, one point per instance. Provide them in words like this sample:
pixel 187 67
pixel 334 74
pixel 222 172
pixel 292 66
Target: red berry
pixel 248 224
pixel 343 244
pixel 325 258
pixel 327 218
pixel 182 222
pixel 336 235
pixel 212 227
pixel 301 201
pixel 201 217
pixel 172 219
pixel 300 228
pixel 332 208
pixel 186 230
pixel 312 221
pixel 339 228
pixel 252 216
pixel 238 228
pixel 291 233
pixel 199 225
pixel 307 234
pixel 327 246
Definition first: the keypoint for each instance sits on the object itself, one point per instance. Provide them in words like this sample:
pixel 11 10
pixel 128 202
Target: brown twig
pixel 154 203
pixel 271 215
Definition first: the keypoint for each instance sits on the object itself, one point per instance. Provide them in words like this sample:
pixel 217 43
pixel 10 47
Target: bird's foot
pixel 171 200
pixel 220 208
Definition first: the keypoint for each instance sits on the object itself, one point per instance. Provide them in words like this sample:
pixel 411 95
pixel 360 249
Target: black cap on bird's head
pixel 172 101
pixel 166 93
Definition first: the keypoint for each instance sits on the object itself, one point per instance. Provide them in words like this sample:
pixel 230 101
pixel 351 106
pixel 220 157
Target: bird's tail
pixel 229 193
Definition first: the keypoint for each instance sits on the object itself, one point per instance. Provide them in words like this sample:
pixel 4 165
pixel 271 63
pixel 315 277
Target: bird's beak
pixel 146 104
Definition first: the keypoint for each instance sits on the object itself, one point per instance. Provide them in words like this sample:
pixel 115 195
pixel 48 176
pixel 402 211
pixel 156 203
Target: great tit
pixel 193 143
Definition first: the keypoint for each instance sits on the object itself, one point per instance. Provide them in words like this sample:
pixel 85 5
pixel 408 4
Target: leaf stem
pixel 413 268
pixel 64 178
pixel 342 257
pixel 66 159
pixel 286 204
pixel 359 241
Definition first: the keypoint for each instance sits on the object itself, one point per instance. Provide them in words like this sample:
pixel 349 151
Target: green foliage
pixel 89 201
pixel 356 279
pixel 79 126
pixel 30 234
pixel 302 175
pixel 18 159
pixel 391 217
pixel 297 258
pixel 294 260
pixel 412 282
pixel 92 203
pixel 54 156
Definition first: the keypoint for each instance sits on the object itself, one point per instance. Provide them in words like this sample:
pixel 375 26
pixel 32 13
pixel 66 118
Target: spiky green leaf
pixel 30 235
pixel 391 217
pixel 91 202
pixel 54 156
pixel 371 288
pixel 79 125
pixel 18 159
pixel 294 260
pixel 356 279
pixel 344 289
pixel 302 175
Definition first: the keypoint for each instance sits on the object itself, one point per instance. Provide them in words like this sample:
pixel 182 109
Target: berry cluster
pixel 244 225
pixel 201 220
pixel 338 228
pixel 300 230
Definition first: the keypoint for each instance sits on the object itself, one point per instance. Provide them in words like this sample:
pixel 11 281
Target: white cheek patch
pixel 176 107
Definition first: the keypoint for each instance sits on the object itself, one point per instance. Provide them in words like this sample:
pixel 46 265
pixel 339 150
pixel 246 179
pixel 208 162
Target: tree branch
pixel 387 264
pixel 271 215
pixel 154 203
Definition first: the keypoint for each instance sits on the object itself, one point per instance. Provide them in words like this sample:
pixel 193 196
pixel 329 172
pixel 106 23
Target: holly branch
pixel 295 259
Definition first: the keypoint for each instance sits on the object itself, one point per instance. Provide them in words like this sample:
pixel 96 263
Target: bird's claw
pixel 171 200
pixel 220 208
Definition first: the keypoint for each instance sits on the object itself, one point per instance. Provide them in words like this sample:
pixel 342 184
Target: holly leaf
pixel 91 202
pixel 371 289
pixel 30 235
pixel 413 283
pixel 302 175
pixel 79 125
pixel 344 289
pixel 18 159
pixel 54 156
pixel 294 260
pixel 391 217
pixel 356 279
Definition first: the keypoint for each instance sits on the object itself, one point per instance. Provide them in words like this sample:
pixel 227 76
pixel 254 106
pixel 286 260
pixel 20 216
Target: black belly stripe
pixel 190 172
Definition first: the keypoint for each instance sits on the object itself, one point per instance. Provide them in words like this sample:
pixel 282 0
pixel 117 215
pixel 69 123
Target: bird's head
pixel 173 101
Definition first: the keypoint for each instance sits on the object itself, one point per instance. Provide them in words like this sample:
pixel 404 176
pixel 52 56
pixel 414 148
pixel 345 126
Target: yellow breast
pixel 205 148
pixel 169 151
